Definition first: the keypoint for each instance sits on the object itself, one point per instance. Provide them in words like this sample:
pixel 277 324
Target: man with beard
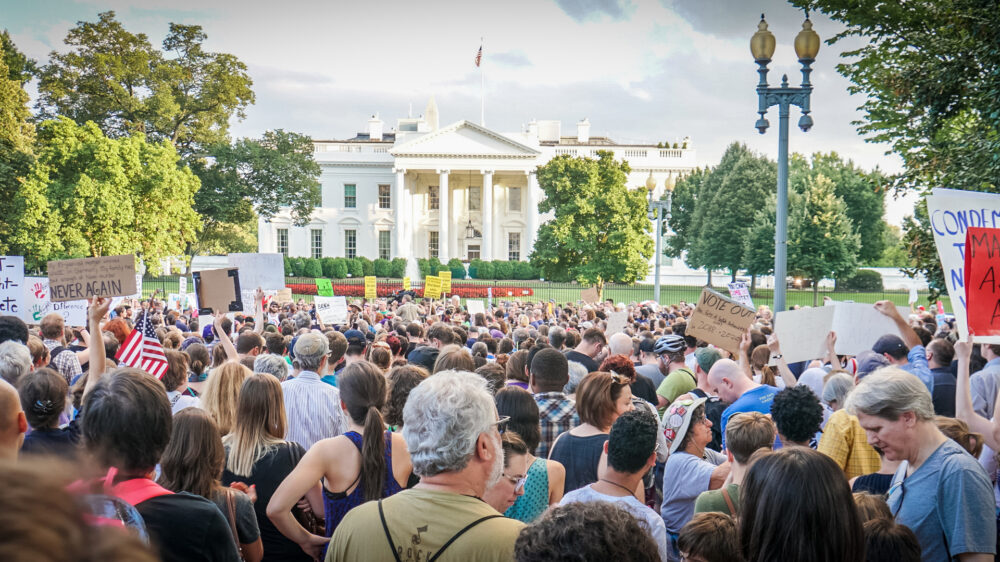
pixel 452 432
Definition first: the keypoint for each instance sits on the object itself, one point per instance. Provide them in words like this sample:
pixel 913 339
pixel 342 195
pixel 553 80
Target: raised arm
pixel 831 354
pixel 745 354
pixel 258 315
pixel 98 308
pixel 910 337
pixel 227 343
pixel 786 374
pixel 963 399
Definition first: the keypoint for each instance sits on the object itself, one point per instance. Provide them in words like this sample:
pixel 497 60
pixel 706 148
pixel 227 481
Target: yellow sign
pixel 432 287
pixel 445 276
pixel 370 292
pixel 406 283
pixel 550 308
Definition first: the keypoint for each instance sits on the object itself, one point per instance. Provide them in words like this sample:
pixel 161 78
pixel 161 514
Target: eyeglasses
pixel 517 481
pixel 502 424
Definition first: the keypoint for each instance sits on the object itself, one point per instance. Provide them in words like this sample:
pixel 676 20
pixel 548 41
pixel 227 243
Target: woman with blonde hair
pixel 258 455
pixel 221 393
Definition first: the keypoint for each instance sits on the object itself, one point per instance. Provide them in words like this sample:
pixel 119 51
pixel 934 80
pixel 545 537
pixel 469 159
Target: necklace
pixel 630 492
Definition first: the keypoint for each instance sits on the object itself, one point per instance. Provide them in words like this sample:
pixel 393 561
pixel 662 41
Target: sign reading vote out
pixel 982 280
pixel 720 321
pixel 83 278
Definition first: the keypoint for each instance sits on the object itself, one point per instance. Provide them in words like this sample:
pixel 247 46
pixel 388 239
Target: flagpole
pixel 482 89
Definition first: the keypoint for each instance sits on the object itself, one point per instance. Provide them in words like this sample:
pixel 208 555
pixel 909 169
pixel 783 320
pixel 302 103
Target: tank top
pixel 337 504
pixel 580 456
pixel 877 484
pixel 535 499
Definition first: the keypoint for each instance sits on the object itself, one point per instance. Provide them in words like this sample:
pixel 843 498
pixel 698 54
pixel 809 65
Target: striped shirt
pixel 557 414
pixel 313 410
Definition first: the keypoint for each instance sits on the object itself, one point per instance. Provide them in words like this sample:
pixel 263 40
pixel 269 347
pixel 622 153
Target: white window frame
pixel 316 250
pixel 277 241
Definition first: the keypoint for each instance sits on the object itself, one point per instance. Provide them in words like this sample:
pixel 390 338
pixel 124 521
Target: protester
pixel 591 347
pixel 402 380
pixel 746 435
pixel 908 352
pixel 844 440
pixel 709 537
pixel 13 423
pixel 742 394
pixel 15 361
pixel 586 531
pixel 940 354
pixel 679 378
pixel 797 414
pixel 871 506
pixel 175 380
pixel 888 541
pixel 985 384
pixel 222 393
pixel 13 329
pixel 557 412
pixel 502 495
pixel 63 359
pixel 313 406
pixel 43 399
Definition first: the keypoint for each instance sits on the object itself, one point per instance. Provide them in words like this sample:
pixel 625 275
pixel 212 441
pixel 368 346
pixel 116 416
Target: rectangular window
pixel 432 244
pixel 474 252
pixel 384 197
pixel 283 241
pixel 475 197
pixel 514 246
pixel 514 196
pixel 384 244
pixel 351 243
pixel 433 203
pixel 316 236
pixel 350 196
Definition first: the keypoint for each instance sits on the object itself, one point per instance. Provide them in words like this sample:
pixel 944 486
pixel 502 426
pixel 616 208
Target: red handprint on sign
pixel 38 289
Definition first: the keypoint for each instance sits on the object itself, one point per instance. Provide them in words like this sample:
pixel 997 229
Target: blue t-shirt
pixel 756 400
pixel 947 502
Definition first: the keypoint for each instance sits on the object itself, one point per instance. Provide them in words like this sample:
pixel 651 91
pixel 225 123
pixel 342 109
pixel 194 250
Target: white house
pixel 460 191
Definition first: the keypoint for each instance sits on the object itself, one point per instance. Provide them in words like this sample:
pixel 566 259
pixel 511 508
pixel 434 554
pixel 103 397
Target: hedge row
pixel 339 268
pixel 385 290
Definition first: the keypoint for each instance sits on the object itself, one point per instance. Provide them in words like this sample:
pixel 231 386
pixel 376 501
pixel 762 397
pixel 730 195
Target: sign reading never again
pixel 83 278
pixel 720 321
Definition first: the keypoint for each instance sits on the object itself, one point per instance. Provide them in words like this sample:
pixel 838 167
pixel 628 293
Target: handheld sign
pixel 589 295
pixel 371 287
pixel 182 285
pixel 11 285
pixel 740 293
pixel 80 279
pixel 475 306
pixel 616 322
pixel 406 283
pixel 858 326
pixel 445 276
pixel 982 280
pixel 218 289
pixel 432 287
pixel 283 296
pixel 324 288
pixel 331 310
pixel 37 304
pixel 720 321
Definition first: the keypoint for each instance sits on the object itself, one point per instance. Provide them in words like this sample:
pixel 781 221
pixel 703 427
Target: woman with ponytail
pixel 366 463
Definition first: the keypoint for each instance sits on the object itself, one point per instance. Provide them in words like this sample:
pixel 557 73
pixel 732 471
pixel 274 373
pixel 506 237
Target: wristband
pixel 778 356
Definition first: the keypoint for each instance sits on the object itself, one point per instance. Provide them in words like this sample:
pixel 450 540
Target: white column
pixel 531 213
pixel 399 232
pixel 444 218
pixel 487 249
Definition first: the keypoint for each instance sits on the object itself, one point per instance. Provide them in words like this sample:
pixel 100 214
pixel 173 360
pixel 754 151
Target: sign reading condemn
pixel 112 276
pixel 982 284
pixel 720 321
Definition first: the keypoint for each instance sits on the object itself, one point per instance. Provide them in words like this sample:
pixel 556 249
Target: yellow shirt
pixel 421 522
pixel 845 442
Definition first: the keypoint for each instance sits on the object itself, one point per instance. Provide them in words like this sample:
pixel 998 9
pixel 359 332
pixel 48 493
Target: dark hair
pixel 797 413
pixel 402 380
pixel 505 346
pixel 557 338
pixel 516 364
pixel 746 432
pixel 43 397
pixel 512 444
pixel 127 421
pixel 710 536
pixel 943 350
pixel 871 506
pixel 697 416
pixel 585 531
pixel 454 358
pixel 888 541
pixel 13 328
pixel 802 485
pixel 594 336
pixel 363 390
pixel 441 332
pixel 275 344
pixel 550 369
pixel 198 359
pixel 414 330
pixel 495 375
pixel 520 405
pixel 194 458
pixel 632 440
pixel 176 372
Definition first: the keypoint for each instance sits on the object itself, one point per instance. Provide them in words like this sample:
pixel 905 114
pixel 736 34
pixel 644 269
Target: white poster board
pixel 802 333
pixel 617 322
pixel 11 285
pixel 331 310
pixel 37 304
pixel 951 212
pixel 266 271
pixel 475 307
pixel 739 291
pixel 182 285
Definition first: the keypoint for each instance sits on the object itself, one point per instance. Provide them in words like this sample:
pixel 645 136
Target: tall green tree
pixel 821 240
pixel 118 80
pixel 687 193
pixel 918 239
pixel 600 233
pixel 20 67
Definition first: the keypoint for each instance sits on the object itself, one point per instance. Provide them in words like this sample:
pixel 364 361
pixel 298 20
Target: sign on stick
pixel 589 295
pixel 432 287
pixel 740 293
pixel 982 266
pixel 616 322
pixel 720 321
pixel 111 276
pixel 406 283
pixel 371 287
pixel 445 275
pixel 324 288
pixel 475 306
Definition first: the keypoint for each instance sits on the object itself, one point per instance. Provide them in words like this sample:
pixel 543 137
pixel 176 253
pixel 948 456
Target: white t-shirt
pixel 179 401
pixel 641 512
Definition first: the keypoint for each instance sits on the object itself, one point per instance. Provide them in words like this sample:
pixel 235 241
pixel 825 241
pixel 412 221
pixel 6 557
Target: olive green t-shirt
pixel 676 383
pixel 421 522
pixel 712 500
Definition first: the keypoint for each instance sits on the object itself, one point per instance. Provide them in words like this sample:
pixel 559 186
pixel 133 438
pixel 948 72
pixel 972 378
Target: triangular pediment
pixel 464 139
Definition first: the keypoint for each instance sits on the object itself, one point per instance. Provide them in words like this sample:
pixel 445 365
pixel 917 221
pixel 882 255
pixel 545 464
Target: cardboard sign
pixel 406 283
pixel 324 288
pixel 589 295
pixel 720 321
pixel 11 285
pixel 111 276
pixel 982 286
pixel 740 293
pixel 432 287
pixel 445 276
pixel 616 322
pixel 371 287
pixel 475 307
pixel 802 333
pixel 331 310
pixel 182 285
pixel 218 289
pixel 951 213
pixel 283 296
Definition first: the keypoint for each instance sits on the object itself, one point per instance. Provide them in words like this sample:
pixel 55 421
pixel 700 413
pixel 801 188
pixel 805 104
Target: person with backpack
pixel 61 357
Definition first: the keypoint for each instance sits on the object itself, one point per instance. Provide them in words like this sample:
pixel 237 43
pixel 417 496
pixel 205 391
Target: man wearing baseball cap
pixel 907 352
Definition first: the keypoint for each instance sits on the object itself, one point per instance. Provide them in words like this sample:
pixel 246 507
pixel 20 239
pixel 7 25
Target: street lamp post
pixel 762 47
pixel 659 210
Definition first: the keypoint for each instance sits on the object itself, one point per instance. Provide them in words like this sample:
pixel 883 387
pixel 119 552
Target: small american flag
pixel 479 55
pixel 142 349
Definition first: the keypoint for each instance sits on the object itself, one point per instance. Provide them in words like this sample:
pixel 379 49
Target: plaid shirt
pixel 557 414
pixel 845 442
pixel 67 363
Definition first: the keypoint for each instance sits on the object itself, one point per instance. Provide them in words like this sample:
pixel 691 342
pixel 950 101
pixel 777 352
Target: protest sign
pixel 331 310
pixel 371 287
pixel 740 293
pixel 324 288
pixel 982 266
pixel 589 295
pixel 37 304
pixel 177 301
pixel 616 322
pixel 406 283
pixel 283 296
pixel 951 213
pixel 219 289
pixel 432 287
pixel 475 306
pixel 266 271
pixel 858 326
pixel 11 285
pixel 182 285
pixel 719 320
pixel 111 276
pixel 138 286
pixel 445 275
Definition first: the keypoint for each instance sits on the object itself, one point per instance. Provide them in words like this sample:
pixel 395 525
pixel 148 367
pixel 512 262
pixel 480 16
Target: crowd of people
pixel 418 431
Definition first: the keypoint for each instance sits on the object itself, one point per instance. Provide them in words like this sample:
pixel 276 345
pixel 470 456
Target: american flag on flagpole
pixel 142 349
pixel 479 55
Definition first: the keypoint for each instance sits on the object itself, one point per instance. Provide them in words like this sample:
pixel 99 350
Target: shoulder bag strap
pixel 385 527
pixel 231 507
pixel 691 374
pixel 729 501
pixel 459 534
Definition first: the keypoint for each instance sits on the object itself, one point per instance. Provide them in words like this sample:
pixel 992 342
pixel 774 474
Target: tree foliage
pixel 19 67
pixel 600 232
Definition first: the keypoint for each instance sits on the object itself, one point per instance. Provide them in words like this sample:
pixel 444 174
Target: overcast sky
pixel 640 70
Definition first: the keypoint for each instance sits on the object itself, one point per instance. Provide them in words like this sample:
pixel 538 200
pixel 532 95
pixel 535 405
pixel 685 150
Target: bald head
pixel 621 344
pixel 12 421
pixel 728 380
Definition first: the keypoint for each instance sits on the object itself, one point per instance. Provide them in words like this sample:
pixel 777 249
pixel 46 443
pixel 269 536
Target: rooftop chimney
pixel 583 131
pixel 375 126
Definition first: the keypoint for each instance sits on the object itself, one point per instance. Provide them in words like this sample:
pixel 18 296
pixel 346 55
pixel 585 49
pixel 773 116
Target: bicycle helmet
pixel 671 343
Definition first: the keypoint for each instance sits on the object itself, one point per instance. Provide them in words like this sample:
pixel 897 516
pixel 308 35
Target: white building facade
pixel 461 191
